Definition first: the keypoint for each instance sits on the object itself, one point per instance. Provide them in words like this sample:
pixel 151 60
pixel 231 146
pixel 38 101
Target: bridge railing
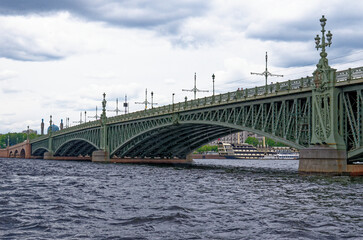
pixel 240 94
pixel 301 83
pixel 349 74
pixel 87 125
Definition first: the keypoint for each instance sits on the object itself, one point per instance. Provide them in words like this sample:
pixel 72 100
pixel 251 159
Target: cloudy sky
pixel 57 57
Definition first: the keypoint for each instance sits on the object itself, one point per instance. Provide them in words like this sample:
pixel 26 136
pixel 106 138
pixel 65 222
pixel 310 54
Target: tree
pixel 272 143
pixel 253 141
pixel 14 138
pixel 207 148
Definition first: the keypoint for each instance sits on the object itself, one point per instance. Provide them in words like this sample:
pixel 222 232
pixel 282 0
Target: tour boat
pixel 247 151
pixel 239 151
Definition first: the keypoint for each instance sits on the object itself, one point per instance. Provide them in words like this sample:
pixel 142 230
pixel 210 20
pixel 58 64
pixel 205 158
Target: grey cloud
pixel 346 37
pixel 15 45
pixel 302 30
pixel 164 17
pixel 305 30
pixel 292 61
pixel 23 54
pixel 126 13
pixel 13 48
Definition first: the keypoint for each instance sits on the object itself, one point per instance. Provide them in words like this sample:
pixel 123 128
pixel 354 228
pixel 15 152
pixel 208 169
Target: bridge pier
pixel 48 156
pixel 324 159
pixel 100 156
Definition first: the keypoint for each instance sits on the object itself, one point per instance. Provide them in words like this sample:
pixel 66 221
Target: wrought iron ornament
pixel 321 74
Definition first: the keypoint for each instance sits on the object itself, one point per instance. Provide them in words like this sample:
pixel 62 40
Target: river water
pixel 212 199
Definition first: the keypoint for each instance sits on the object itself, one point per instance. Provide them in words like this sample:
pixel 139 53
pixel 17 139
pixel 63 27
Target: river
pixel 211 199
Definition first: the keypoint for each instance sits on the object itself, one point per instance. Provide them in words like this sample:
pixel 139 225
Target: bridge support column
pixel 328 151
pixel 323 159
pixel 28 150
pixel 48 156
pixel 100 156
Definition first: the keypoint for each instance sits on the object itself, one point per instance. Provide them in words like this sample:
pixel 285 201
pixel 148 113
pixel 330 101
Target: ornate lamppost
pixel 104 102
pixel 323 44
pixel 172 100
pixel 213 77
pixel 322 73
pixel 327 127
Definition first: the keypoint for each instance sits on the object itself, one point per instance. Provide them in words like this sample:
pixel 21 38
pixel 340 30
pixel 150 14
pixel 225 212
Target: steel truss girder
pixel 39 151
pixel 352 99
pixel 185 149
pixel 75 147
pixel 286 119
pixel 189 136
pixel 169 135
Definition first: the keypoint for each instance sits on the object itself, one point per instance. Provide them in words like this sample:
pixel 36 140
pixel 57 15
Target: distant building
pixel 236 138
pixel 55 128
pixel 30 131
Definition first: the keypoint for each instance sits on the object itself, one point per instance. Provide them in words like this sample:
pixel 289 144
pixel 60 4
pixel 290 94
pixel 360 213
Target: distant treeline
pixel 207 148
pixel 269 142
pixel 14 138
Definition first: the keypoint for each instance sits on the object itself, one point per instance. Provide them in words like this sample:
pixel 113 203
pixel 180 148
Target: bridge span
pixel 296 112
pixel 321 115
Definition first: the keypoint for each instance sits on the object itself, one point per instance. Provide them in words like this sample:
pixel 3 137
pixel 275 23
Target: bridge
pixel 321 115
pixel 301 113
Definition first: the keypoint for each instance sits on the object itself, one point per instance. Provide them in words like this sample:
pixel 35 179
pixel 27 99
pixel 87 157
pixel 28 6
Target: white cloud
pixel 97 52
pixel 7 74
pixel 44 38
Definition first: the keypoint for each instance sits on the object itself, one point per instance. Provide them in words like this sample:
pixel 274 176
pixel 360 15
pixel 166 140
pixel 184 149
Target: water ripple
pixel 213 199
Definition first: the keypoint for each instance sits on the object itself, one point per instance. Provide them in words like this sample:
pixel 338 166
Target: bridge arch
pixel 239 128
pixel 180 139
pixel 11 154
pixel 22 153
pixel 16 153
pixel 76 147
pixel 355 155
pixel 39 151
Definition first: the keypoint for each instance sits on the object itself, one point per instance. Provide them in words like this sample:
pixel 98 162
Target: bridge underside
pixel 171 141
pixel 39 152
pixel 76 148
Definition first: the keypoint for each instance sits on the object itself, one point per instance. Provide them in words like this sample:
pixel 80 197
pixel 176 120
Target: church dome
pixel 54 128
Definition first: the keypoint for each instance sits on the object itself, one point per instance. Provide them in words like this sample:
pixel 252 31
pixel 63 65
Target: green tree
pixel 253 141
pixel 207 148
pixel 272 143
pixel 14 138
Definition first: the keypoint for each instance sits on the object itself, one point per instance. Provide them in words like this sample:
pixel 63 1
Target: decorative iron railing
pixel 285 87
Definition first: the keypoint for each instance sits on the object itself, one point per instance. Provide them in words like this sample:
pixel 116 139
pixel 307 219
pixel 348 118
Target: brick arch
pixel 22 153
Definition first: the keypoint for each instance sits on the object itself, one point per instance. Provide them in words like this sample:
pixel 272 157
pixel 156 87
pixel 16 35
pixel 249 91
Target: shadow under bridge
pixel 176 140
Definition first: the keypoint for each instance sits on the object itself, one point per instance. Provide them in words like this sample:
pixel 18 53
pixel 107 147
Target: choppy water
pixel 213 199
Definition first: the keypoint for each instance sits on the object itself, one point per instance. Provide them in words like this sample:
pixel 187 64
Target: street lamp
pixel 266 73
pixel 27 134
pixel 152 100
pixel 172 100
pixel 323 44
pixel 213 77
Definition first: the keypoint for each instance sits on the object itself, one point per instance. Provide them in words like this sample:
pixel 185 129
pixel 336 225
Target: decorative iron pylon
pixel 327 127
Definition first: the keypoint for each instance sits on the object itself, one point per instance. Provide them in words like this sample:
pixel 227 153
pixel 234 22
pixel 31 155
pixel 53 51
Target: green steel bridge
pixel 300 113
pixel 321 115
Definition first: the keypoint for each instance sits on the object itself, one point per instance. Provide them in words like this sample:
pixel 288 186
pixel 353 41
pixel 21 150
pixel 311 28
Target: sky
pixel 57 57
